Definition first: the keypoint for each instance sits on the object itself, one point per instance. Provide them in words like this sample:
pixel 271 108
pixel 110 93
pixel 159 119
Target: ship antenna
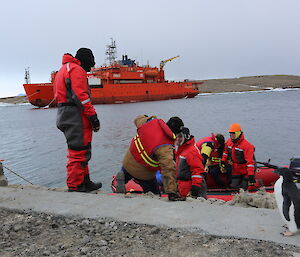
pixel 111 52
pixel 27 76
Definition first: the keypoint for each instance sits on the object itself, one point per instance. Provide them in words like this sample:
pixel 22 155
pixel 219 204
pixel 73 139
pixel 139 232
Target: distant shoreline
pixel 242 84
pixel 254 83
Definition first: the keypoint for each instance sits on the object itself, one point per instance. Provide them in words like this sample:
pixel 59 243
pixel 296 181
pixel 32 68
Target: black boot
pixel 81 188
pixel 90 185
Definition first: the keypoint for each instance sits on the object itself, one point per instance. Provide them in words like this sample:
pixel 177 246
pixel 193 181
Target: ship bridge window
pixel 95 82
pixel 96 86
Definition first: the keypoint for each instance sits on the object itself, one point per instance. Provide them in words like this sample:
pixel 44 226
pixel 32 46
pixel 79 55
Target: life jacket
pixel 214 156
pixel 211 139
pixel 150 136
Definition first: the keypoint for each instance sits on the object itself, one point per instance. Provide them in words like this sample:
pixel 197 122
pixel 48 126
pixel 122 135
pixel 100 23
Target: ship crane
pixel 162 63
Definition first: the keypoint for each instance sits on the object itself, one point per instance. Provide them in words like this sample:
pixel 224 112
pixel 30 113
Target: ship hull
pixel 42 95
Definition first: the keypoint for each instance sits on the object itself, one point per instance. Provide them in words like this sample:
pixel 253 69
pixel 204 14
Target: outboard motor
pixel 295 164
pixel 295 167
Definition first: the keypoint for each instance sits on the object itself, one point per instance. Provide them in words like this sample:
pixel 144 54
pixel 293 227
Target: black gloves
pixel 223 167
pixel 95 122
pixel 222 164
pixel 252 180
pixel 175 197
pixel 195 190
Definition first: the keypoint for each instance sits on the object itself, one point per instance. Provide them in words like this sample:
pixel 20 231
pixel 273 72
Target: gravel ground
pixel 35 234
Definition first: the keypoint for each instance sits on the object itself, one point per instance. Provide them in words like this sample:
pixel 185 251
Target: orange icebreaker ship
pixel 120 82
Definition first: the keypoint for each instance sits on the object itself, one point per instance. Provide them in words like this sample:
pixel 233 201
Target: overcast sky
pixel 214 38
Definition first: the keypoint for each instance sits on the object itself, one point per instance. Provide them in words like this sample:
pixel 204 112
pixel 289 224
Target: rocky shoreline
pixel 39 234
pixel 241 84
pixel 253 83
pixel 24 231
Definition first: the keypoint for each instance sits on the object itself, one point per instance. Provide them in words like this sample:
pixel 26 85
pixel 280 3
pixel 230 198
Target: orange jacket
pixel 189 163
pixel 241 153
pixel 80 90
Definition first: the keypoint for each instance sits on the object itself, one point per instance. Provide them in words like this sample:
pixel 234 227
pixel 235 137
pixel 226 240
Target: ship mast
pixel 27 76
pixel 111 52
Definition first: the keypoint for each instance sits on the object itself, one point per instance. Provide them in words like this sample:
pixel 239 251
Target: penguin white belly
pixel 280 204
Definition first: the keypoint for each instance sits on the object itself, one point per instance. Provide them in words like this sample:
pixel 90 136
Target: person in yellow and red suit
pixel 240 153
pixel 151 150
pixel 211 149
pixel 76 117
pixel 190 168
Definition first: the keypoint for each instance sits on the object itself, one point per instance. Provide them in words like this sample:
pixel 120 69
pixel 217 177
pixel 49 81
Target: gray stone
pixel 17 227
pixel 85 222
pixel 85 239
pixel 102 243
pixel 3 179
pixel 84 250
pixel 46 253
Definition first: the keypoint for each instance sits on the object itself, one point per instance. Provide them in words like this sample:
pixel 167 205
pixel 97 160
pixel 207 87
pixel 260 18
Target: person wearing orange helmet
pixel 240 153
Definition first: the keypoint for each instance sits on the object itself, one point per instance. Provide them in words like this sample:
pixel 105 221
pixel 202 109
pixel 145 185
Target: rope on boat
pixel 32 94
pixel 50 103
pixel 20 101
pixel 17 174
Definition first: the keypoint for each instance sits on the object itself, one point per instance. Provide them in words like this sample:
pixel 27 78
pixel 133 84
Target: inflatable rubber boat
pixel 265 178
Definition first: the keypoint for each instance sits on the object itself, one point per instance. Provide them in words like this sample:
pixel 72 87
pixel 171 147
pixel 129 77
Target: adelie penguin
pixel 287 194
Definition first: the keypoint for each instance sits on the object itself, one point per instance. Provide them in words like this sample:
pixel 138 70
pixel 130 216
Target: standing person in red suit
pixel 240 153
pixel 190 168
pixel 76 117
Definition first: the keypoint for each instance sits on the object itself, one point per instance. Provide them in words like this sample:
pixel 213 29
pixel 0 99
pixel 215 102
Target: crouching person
pixel 190 168
pixel 151 150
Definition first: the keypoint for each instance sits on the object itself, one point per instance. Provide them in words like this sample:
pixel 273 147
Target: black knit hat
pixel 175 124
pixel 186 133
pixel 221 140
pixel 86 58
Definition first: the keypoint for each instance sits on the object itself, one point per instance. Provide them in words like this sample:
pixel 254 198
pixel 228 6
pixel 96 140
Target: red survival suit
pixel 190 169
pixel 72 94
pixel 241 153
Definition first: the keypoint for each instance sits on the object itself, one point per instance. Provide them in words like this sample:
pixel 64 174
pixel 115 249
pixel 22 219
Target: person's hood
pixel 191 141
pixel 186 145
pixel 69 58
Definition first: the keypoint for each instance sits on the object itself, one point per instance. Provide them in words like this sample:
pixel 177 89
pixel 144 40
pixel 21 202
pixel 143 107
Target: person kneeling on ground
pixel 151 150
pixel 211 149
pixel 190 169
pixel 240 153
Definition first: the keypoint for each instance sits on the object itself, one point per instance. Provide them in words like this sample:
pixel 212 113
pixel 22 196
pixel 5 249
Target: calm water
pixel 32 145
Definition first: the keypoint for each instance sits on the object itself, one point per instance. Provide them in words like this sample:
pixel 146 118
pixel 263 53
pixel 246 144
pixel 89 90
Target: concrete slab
pixel 221 220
